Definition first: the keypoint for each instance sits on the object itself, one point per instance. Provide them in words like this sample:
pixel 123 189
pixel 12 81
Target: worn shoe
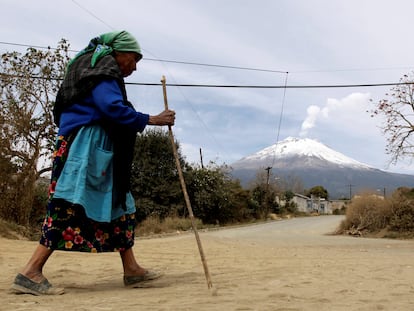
pixel 136 279
pixel 24 285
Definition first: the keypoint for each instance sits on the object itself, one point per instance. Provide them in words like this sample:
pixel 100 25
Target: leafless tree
pixel 398 125
pixel 29 83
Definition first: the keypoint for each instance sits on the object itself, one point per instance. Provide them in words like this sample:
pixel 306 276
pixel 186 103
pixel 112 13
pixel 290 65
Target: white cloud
pixel 345 113
pixel 313 112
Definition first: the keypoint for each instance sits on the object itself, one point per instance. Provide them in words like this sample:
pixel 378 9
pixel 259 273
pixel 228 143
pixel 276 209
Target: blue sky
pixel 318 42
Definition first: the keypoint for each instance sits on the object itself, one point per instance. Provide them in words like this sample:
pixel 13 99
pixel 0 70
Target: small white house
pixel 302 202
pixel 312 204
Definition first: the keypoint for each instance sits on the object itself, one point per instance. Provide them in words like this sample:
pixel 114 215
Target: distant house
pixel 315 205
pixel 302 202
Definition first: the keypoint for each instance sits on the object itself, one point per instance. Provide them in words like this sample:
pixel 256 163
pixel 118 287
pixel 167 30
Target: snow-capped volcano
pixel 313 163
pixel 295 147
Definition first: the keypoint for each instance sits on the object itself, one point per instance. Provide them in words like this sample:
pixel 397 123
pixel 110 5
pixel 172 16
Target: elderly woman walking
pixel 90 207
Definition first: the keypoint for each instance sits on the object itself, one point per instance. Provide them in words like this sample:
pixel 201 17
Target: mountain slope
pixel 316 164
pixel 294 147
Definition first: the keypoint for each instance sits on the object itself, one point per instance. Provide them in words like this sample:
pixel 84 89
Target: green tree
pixel 215 197
pixel 289 206
pixel 258 195
pixel 155 182
pixel 29 83
pixel 317 191
pixel 264 191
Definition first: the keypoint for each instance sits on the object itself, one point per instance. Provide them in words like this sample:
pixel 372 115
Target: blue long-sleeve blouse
pixel 104 102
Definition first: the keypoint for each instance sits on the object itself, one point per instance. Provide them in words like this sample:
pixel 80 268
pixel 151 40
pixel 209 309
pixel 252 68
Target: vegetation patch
pixel 153 225
pixel 13 231
pixel 373 216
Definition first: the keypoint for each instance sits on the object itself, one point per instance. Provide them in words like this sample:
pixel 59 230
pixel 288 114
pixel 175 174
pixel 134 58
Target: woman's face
pixel 127 62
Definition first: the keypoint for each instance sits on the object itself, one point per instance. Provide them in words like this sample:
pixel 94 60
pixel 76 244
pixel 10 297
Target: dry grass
pixel 154 226
pixel 13 231
pixel 366 214
pixel 373 216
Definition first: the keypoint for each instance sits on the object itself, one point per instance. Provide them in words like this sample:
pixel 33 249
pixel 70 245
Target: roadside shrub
pixel 402 218
pixel 216 198
pixel 367 213
pixel 370 214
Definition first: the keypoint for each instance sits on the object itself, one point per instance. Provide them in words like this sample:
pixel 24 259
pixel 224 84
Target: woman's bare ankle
pixel 135 272
pixel 35 276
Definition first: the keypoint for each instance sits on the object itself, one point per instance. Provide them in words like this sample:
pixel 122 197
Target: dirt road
pixel 283 265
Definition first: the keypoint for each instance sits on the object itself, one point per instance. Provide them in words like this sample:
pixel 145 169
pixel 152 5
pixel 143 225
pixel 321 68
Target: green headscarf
pixel 105 44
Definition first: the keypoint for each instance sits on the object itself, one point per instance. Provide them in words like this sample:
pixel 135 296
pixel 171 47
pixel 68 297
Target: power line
pixel 33 46
pixel 90 13
pixel 223 66
pixel 285 86
pixel 280 121
pixel 215 65
pixel 274 86
pixel 159 60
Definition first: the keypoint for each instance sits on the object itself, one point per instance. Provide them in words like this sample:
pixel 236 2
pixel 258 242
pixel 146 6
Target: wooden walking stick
pixel 184 188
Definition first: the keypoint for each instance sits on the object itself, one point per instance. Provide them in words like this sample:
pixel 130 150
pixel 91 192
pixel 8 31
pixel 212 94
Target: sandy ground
pixel 283 265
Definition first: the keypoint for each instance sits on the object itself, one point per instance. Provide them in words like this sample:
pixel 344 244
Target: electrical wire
pixel 32 46
pixel 281 112
pixel 280 121
pixel 275 86
pixel 157 59
pixel 285 86
pixel 89 12
pixel 227 66
pixel 215 65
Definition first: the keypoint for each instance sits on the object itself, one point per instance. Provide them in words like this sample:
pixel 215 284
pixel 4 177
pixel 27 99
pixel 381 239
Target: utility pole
pixel 201 159
pixel 268 175
pixel 383 192
pixel 350 191
pixel 267 187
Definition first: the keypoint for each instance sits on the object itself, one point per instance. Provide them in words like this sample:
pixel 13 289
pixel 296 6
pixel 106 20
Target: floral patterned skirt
pixel 66 226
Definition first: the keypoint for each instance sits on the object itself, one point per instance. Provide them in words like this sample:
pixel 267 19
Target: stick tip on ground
pixel 214 292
